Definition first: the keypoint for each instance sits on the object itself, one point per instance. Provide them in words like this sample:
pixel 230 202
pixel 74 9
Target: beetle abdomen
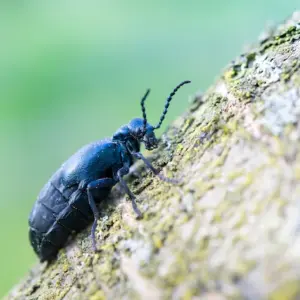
pixel 53 218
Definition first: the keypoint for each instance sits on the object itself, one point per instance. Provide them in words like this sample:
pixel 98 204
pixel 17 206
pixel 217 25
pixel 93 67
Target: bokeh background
pixel 73 71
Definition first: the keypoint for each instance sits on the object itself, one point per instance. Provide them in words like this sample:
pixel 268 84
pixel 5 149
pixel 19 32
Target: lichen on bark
pixel 230 229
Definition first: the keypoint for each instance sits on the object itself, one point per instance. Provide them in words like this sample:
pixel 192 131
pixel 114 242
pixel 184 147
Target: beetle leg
pixel 97 184
pixel 139 155
pixel 82 185
pixel 123 171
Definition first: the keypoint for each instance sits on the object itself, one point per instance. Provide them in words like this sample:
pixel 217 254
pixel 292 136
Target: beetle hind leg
pixel 92 187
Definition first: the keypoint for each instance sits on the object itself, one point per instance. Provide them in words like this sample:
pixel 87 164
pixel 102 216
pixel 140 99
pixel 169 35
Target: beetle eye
pixel 140 134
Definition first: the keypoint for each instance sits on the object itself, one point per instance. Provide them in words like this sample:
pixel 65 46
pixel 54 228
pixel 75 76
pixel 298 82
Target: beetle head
pixel 139 130
pixel 143 133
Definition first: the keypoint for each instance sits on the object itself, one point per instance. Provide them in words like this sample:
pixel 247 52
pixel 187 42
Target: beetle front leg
pixel 139 155
pixel 97 184
pixel 123 171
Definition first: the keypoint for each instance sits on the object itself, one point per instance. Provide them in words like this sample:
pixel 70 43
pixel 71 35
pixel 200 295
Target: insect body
pixel 67 202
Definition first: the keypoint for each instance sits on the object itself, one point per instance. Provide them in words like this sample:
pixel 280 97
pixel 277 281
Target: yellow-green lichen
pixel 287 291
pixel 157 241
pixel 99 295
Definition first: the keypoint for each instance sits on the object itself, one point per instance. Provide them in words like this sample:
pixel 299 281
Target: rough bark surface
pixel 230 230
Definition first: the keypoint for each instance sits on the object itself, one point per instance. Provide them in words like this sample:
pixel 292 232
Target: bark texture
pixel 230 230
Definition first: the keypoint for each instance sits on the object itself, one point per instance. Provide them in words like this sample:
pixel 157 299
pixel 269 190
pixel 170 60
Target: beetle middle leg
pixel 123 171
pixel 92 186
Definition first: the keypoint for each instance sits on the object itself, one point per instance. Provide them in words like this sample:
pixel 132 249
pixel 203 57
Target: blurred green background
pixel 74 71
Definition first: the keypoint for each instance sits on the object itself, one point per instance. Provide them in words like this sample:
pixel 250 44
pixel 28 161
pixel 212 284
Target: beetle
pixel 67 202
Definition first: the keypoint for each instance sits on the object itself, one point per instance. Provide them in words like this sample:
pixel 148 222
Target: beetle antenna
pixel 144 109
pixel 168 102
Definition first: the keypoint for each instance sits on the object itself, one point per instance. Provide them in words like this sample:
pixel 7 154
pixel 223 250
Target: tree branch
pixel 231 229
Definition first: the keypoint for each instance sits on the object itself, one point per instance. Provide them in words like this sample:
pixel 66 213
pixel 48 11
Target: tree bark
pixel 230 229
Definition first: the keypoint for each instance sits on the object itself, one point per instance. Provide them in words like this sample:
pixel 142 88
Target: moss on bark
pixel 231 228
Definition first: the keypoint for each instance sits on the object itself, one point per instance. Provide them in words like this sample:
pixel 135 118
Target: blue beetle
pixel 67 203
